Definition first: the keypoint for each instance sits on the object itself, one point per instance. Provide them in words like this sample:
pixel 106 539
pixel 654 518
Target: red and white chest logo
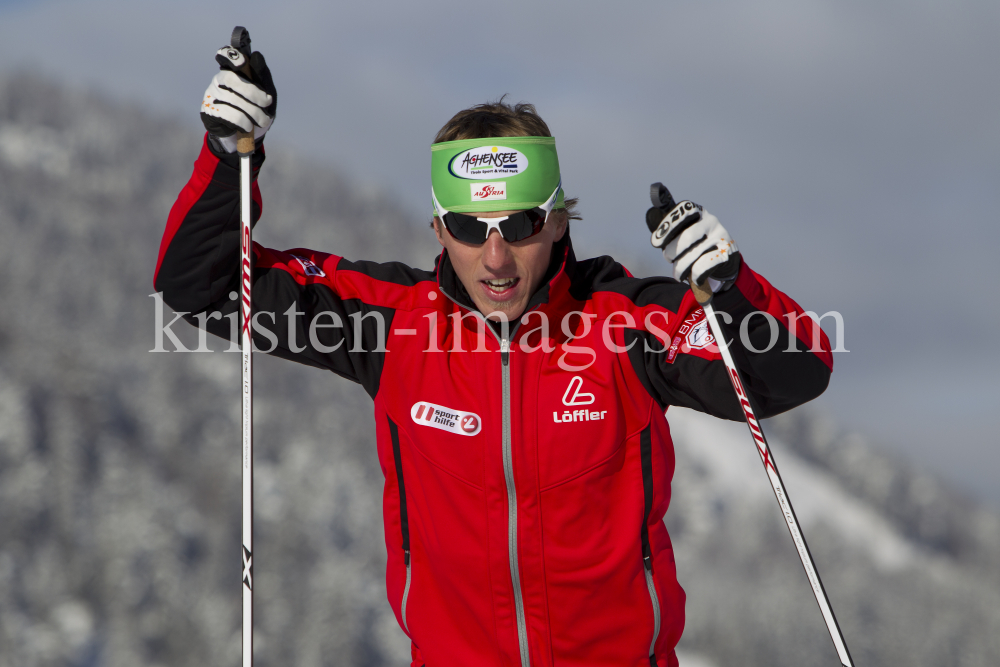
pixel 446 419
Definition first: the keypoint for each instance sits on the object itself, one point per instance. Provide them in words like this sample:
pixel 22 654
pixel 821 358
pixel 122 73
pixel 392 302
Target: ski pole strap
pixel 495 174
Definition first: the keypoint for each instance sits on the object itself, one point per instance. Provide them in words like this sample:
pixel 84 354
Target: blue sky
pixel 851 148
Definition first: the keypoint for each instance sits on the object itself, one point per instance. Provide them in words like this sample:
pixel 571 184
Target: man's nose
pixel 496 252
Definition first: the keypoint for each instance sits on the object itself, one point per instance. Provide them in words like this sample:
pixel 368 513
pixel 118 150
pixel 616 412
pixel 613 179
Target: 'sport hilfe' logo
pixel 488 162
pixel 446 419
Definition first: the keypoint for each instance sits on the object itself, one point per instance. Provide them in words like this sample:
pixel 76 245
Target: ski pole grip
pixel 240 40
pixel 244 143
pixel 702 293
pixel 244 140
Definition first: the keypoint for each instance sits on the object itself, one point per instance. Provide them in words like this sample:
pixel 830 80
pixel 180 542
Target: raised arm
pixel 311 307
pixel 783 354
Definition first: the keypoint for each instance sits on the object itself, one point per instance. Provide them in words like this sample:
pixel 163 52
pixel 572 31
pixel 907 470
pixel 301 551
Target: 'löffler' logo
pixel 573 397
pixel 446 419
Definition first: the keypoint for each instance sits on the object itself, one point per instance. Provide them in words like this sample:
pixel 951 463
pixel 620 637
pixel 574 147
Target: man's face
pixel 500 276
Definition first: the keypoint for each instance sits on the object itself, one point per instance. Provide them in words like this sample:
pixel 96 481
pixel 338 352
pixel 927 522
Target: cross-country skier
pixel 528 463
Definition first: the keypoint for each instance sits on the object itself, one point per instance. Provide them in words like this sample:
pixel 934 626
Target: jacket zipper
pixel 406 589
pixel 648 568
pixel 404 522
pixel 508 473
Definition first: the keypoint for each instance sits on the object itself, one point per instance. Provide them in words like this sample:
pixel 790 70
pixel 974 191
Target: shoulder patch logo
pixel 309 267
pixel 573 395
pixel 700 336
pixel 446 419
pixel 693 334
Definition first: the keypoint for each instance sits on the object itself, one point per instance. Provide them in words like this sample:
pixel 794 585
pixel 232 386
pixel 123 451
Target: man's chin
pixel 498 310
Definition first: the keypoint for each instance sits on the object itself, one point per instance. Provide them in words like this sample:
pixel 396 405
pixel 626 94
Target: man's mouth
pixel 499 287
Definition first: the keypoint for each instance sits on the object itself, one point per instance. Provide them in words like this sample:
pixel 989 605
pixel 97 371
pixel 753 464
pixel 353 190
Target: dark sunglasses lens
pixel 465 227
pixel 523 225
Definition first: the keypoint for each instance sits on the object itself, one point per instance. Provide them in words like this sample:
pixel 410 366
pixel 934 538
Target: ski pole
pixel 663 200
pixel 240 41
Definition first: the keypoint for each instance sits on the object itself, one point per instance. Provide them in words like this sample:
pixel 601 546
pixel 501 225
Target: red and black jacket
pixel 528 470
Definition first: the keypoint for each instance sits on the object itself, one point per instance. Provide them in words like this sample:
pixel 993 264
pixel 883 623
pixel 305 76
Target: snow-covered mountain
pixel 119 473
pixel 901 596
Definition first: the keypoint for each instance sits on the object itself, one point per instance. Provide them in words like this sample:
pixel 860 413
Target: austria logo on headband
pixel 488 191
pixel 488 162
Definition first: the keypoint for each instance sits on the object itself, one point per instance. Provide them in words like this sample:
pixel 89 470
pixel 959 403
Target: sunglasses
pixel 514 227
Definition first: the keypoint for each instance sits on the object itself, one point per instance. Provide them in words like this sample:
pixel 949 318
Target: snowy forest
pixel 120 478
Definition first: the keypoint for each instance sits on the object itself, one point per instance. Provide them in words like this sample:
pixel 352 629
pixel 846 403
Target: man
pixel 519 392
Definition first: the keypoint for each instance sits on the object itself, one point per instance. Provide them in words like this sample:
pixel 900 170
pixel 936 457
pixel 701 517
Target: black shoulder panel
pixel 604 274
pixel 396 273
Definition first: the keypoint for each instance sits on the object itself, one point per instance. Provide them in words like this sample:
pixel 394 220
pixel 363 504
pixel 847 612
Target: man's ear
pixel 436 224
pixel 559 219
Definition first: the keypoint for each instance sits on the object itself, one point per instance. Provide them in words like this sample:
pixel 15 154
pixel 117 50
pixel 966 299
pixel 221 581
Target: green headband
pixel 497 174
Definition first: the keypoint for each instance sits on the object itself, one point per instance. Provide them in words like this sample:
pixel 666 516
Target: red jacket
pixel 525 483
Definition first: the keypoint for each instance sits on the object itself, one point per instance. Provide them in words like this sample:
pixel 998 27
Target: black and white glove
pixel 232 102
pixel 696 243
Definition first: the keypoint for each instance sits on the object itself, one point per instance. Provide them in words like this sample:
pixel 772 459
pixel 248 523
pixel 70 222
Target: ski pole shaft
pixel 784 502
pixel 245 148
pixel 662 199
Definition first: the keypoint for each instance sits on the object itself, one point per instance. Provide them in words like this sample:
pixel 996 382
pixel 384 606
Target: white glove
pixel 232 102
pixel 696 243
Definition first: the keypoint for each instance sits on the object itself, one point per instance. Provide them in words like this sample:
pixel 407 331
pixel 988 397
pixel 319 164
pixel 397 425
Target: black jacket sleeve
pixel 781 352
